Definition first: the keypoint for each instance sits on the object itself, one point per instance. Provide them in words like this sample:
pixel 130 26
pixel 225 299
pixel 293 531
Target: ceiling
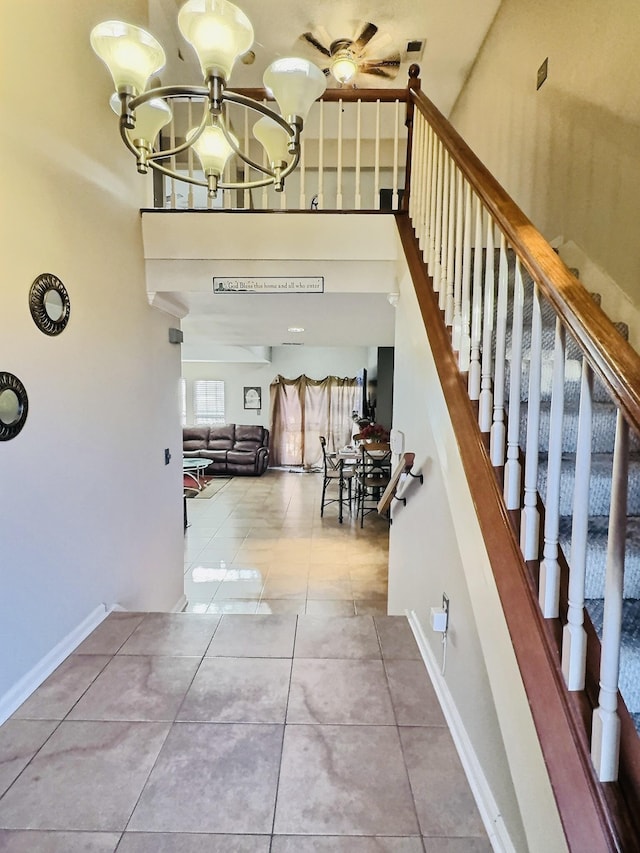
pixel 452 34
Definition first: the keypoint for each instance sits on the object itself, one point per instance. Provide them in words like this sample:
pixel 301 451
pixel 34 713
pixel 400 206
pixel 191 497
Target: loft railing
pixel 483 270
pixel 353 156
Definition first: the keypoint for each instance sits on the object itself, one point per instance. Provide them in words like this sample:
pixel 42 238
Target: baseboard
pixel 487 806
pixel 23 688
pixel 180 604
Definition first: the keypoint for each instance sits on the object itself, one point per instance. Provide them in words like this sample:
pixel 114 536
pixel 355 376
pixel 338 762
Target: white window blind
pixel 208 401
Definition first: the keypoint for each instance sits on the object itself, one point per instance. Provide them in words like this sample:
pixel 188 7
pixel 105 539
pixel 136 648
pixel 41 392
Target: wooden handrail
pixel 595 817
pixel 613 359
pixel 334 95
pixel 404 466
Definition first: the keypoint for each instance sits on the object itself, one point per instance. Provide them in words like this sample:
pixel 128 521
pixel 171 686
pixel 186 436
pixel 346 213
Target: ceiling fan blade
pixel 312 40
pixel 379 69
pixel 365 36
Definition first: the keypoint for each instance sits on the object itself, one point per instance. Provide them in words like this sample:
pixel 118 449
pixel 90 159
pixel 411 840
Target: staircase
pixel 554 389
pixel 603 426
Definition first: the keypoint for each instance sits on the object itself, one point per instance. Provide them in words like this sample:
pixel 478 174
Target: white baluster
pixel 264 195
pixel 485 406
pixel 530 521
pixel 444 275
pixel 605 733
pixel 549 591
pixel 246 203
pixel 512 469
pixel 498 432
pixel 431 239
pixel 416 170
pixel 173 166
pixel 476 313
pixel 394 197
pixel 426 198
pixel 465 299
pixel 457 274
pixel 190 155
pixel 437 259
pixel 449 308
pixel 302 170
pixel 574 637
pixel 321 158
pixel 339 169
pixel 358 199
pixel 376 165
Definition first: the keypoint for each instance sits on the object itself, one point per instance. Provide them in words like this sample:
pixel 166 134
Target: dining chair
pixel 337 473
pixel 372 476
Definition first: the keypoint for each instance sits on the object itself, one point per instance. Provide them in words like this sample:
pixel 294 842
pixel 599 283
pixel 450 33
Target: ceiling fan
pixel 351 58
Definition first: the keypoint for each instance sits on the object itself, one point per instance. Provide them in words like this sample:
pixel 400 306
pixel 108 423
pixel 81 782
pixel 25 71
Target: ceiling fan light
pixel 344 68
pixel 130 53
pixel 273 138
pixel 212 148
pixel 295 84
pixel 218 31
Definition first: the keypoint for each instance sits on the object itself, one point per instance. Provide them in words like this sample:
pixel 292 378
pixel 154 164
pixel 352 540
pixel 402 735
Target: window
pixel 208 401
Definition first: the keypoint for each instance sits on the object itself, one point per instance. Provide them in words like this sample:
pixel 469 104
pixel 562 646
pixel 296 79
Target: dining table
pixel 351 454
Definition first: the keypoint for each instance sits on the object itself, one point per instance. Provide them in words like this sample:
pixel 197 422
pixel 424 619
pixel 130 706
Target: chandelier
pixel 220 33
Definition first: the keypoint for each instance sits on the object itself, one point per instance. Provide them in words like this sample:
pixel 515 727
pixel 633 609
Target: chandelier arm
pixel 251 104
pixel 263 182
pixel 236 149
pixel 171 152
pixel 178 176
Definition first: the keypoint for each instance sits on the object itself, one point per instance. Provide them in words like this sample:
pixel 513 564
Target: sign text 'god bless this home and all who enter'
pixel 270 284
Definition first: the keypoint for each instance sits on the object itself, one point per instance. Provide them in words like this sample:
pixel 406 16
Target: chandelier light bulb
pixel 150 118
pixel 212 149
pixel 295 84
pixel 218 31
pixel 273 138
pixel 130 53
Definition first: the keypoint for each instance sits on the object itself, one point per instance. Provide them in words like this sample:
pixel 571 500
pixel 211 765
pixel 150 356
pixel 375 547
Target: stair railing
pixel 490 301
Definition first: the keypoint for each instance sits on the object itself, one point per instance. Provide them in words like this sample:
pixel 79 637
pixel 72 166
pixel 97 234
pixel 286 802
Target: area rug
pixel 212 487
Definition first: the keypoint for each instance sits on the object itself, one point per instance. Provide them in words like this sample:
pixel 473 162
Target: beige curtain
pixel 302 410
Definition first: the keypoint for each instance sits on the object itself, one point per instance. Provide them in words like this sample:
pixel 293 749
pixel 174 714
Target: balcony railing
pixel 353 156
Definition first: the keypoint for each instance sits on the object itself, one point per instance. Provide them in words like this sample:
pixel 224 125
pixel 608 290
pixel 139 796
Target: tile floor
pixel 260 546
pixel 237 733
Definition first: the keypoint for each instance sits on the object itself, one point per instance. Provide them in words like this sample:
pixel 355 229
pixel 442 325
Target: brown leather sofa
pixel 232 448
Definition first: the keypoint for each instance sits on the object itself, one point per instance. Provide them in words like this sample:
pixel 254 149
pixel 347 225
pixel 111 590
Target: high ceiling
pixel 452 34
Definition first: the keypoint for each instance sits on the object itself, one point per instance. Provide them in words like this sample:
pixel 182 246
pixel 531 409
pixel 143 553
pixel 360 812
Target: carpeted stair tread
pixel 603 426
pixel 600 484
pixel 597 555
pixel 629 682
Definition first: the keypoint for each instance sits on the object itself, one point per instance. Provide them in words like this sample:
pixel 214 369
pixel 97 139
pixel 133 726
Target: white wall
pixel 89 514
pixel 568 153
pixel 290 362
pixel 436 547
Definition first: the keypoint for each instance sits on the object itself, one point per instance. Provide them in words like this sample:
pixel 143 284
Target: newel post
pixel 414 83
